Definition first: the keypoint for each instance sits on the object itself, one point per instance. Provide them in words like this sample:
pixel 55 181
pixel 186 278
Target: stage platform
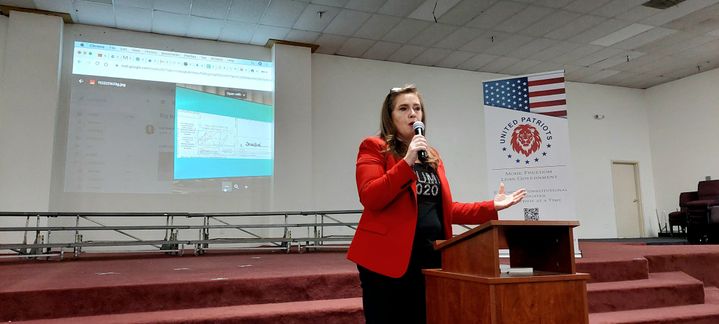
pixel 632 282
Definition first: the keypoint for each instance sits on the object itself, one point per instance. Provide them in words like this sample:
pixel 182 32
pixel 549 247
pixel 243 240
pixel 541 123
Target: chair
pixel 700 225
pixel 679 218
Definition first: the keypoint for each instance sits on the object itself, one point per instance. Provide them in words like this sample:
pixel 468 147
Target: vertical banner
pixel 528 144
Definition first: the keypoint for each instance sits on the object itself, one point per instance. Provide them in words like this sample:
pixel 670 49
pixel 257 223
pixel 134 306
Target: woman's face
pixel 406 111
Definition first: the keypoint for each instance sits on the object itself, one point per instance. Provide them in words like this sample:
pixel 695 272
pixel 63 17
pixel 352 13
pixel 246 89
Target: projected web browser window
pixel 172 67
pixel 147 121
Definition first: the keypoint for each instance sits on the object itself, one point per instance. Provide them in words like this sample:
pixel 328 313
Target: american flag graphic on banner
pixel 542 93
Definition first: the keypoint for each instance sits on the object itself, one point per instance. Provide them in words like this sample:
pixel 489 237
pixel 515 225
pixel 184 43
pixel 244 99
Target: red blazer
pixel 387 190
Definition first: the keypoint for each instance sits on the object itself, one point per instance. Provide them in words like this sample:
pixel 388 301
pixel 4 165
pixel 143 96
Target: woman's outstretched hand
pixel 503 200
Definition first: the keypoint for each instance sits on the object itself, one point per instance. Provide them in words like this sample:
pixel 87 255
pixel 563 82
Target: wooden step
pixel 662 289
pixel 327 311
pixel 694 314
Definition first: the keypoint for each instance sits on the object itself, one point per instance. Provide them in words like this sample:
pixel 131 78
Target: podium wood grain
pixel 470 288
pixel 532 299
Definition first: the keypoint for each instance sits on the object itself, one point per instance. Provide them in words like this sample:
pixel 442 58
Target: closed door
pixel 627 205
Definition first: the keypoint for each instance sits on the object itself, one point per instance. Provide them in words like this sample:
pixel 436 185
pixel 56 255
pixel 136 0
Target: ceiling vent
pixel 662 4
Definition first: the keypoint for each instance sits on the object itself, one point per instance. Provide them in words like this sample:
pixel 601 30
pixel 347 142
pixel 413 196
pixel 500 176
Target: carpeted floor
pixel 164 285
pixel 90 271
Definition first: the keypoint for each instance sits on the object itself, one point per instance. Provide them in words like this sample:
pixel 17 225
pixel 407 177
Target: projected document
pixel 202 135
pixel 220 137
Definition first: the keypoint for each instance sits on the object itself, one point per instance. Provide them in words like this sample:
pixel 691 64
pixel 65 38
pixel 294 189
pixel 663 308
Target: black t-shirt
pixel 429 210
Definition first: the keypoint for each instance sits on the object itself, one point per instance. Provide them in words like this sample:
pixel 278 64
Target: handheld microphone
pixel 418 127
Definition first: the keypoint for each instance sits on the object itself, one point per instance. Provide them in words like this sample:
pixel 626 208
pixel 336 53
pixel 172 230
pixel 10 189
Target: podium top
pixel 503 224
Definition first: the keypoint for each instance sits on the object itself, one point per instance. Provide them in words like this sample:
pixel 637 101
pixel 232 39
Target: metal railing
pixel 259 230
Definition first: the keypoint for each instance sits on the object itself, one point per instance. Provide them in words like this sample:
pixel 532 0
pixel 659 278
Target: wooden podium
pixel 470 288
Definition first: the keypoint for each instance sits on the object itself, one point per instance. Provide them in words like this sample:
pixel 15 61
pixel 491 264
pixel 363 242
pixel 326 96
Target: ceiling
pixel 610 42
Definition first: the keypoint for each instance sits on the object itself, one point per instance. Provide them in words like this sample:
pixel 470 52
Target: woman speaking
pixel 407 206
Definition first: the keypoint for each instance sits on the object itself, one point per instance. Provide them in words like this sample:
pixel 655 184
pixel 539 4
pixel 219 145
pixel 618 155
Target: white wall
pixel 337 101
pixel 683 115
pixel 623 135
pixel 29 91
pixel 30 87
pixel 347 94
pixel 293 124
pixel 3 35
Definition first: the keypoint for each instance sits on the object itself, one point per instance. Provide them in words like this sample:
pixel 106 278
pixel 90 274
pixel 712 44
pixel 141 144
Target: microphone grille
pixel 418 124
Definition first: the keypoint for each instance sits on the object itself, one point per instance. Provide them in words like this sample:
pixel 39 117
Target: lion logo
pixel 526 139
